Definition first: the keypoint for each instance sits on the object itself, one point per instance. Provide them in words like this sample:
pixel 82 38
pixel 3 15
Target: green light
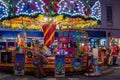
pixel 8 1
pixel 47 7
pixel 52 3
pixel 52 12
pixel 11 5
pixel 11 15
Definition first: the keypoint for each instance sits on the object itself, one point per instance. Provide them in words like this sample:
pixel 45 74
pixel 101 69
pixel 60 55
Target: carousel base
pixel 92 74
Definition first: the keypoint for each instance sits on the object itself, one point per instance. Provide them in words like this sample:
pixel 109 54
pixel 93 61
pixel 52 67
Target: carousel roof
pixel 33 14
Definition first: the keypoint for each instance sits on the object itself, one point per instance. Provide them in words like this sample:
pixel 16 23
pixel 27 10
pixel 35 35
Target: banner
pixel 77 63
pixel 60 66
pixel 19 64
pixel 49 31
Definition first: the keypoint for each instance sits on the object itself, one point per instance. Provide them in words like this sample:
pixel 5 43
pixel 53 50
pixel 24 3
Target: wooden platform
pixel 49 67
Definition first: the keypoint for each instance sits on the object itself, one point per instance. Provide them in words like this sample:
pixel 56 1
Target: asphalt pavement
pixel 110 76
pixel 115 75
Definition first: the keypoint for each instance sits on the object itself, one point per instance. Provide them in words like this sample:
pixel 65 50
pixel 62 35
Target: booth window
pixel 61 34
pixel 10 44
pixel 65 33
pixel 2 45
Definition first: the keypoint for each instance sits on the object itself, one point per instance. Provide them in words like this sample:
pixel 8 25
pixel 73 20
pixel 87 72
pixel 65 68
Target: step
pixel 104 68
pixel 116 67
pixel 107 71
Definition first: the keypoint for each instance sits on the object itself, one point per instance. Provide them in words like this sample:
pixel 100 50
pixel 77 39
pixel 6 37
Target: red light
pixel 69 60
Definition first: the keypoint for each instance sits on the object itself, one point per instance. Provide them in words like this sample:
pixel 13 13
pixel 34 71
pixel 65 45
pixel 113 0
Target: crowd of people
pixel 109 55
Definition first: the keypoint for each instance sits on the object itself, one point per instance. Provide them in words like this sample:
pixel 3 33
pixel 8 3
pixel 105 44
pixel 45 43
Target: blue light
pixel 26 9
pixel 96 10
pixel 3 10
pixel 77 8
pixel 73 11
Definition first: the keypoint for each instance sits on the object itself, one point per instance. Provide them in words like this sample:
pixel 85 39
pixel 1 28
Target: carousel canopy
pixel 33 14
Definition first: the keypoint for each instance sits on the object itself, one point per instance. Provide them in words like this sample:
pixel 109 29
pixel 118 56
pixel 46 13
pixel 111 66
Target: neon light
pixel 30 7
pixel 3 10
pixel 72 7
pixel 96 10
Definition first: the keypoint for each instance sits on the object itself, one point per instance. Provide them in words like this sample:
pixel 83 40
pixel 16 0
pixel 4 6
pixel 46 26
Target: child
pixel 110 59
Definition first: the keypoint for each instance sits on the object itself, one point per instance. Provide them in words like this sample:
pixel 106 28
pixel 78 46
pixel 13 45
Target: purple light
pixel 71 1
pixel 36 2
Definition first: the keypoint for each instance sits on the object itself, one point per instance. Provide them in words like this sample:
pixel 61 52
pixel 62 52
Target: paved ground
pixel 110 76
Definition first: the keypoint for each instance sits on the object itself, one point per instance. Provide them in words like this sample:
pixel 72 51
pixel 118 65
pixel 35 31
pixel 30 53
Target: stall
pixel 49 17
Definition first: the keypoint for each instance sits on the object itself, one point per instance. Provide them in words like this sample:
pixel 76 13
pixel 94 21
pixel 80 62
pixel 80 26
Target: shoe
pixel 116 64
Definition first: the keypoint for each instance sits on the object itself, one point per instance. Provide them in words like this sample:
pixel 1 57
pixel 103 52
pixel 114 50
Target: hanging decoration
pixel 30 7
pixel 17 23
pixel 11 9
pixel 64 13
pixel 78 23
pixel 51 7
pixel 87 9
pixel 3 10
pixel 38 22
pixel 71 7
pixel 79 36
pixel 96 10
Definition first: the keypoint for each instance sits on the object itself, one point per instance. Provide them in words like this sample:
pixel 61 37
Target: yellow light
pixel 45 19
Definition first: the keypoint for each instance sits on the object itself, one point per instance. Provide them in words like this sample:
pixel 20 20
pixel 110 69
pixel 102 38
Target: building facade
pixel 110 21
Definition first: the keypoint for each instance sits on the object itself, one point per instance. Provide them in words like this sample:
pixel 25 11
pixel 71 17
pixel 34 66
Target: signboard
pixel 95 52
pixel 77 63
pixel 19 64
pixel 60 66
pixel 63 39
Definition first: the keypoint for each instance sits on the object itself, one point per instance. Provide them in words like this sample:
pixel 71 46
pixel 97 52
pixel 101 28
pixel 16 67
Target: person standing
pixel 115 52
pixel 41 61
pixel 18 39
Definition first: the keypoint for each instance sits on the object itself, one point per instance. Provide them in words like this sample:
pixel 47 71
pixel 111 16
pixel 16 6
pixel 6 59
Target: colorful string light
pixel 10 8
pixel 71 7
pixel 76 7
pixel 96 10
pixel 3 10
pixel 30 7
pixel 87 9
pixel 51 7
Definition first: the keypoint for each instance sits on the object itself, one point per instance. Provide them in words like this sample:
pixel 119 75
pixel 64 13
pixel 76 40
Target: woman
pixel 41 61
pixel 41 64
